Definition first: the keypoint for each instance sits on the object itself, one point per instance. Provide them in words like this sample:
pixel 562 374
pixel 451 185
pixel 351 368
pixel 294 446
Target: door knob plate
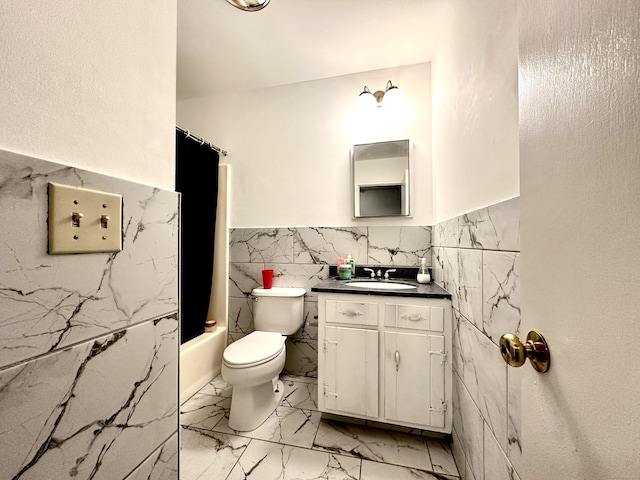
pixel 540 358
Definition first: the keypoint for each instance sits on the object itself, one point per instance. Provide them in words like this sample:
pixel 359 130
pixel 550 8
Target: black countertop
pixel 423 290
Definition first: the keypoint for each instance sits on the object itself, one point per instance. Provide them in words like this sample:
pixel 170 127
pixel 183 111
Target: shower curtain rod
pixel 201 141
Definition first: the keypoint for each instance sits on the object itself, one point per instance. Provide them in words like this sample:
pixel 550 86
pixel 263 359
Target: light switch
pixel 83 220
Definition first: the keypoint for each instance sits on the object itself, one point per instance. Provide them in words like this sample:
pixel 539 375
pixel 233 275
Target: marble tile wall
pixel 300 257
pixel 476 257
pixel 88 342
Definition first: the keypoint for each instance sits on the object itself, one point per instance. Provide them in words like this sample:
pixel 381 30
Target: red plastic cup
pixel 267 278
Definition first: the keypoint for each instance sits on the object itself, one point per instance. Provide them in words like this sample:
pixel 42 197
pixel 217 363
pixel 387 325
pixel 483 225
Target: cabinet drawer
pixel 415 317
pixel 351 313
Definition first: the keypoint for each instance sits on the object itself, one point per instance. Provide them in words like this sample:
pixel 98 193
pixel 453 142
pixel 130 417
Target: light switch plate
pixel 83 220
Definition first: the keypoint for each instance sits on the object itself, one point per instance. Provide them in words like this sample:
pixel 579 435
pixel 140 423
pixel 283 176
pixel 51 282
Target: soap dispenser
pixel 423 272
pixel 351 262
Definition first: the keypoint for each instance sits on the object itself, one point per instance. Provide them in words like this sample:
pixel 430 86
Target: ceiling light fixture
pixel 249 5
pixel 368 98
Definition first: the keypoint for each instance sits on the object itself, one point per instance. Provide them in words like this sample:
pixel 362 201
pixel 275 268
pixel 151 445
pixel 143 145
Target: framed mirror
pixel 381 179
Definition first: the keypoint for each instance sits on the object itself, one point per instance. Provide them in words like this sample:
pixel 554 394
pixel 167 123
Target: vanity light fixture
pixel 376 98
pixel 249 5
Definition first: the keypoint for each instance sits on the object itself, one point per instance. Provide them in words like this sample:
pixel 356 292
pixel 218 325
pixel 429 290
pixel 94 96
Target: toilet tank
pixel 278 309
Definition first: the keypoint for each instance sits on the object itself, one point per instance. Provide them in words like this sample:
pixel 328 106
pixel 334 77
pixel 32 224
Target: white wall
pixel 91 84
pixel 475 107
pixel 290 145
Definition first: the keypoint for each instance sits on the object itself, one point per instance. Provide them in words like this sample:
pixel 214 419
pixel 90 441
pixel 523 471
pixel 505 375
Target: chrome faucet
pixel 387 272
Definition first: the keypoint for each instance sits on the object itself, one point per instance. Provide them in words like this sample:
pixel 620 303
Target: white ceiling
pixel 221 48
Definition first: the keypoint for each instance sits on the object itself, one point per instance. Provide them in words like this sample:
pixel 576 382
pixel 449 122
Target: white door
pixel 580 239
pixel 350 376
pixel 414 378
pixel 407 387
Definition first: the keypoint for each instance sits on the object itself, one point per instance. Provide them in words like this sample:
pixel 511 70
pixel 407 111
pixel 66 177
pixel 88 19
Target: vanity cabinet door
pixel 415 378
pixel 349 360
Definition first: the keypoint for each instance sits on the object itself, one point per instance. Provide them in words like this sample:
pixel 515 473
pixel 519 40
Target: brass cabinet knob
pixel 514 352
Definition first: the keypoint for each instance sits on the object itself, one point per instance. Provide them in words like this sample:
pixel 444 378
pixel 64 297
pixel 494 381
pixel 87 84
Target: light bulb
pixel 392 97
pixel 366 101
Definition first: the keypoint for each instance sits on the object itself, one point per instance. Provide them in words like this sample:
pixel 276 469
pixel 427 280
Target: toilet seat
pixel 254 349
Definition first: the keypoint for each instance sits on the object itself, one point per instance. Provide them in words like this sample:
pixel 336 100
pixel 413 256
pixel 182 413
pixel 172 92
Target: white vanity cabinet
pixel 386 358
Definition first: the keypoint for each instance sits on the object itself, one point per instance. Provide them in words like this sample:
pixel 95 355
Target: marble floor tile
pixel 373 444
pixel 288 426
pixel 266 460
pixel 217 387
pixel 209 454
pixel 382 471
pixel 295 444
pixel 299 394
pixel 204 411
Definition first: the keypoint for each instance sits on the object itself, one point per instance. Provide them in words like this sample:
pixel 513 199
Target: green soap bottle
pixel 351 262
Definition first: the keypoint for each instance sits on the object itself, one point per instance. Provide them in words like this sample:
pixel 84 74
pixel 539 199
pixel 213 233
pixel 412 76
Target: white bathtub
pixel 200 361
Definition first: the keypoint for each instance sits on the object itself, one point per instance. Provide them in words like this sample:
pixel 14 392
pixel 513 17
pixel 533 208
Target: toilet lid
pixel 255 348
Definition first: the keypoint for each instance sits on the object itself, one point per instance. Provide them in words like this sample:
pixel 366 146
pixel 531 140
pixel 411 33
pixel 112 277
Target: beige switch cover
pixel 83 220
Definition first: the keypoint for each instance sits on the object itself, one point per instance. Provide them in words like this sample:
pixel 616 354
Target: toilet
pixel 252 364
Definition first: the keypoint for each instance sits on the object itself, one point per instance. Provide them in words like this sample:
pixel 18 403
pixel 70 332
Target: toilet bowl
pixel 252 364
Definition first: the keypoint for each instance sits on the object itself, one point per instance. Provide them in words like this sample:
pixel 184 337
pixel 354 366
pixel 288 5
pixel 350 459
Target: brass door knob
pixel 514 352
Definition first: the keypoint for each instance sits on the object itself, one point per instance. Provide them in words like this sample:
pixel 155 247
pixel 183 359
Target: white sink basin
pixel 380 285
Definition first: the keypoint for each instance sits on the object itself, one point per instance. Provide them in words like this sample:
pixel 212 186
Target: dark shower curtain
pixel 197 181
